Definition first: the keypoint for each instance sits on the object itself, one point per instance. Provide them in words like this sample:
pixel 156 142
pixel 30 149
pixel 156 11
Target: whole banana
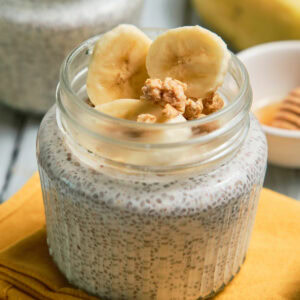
pixel 244 23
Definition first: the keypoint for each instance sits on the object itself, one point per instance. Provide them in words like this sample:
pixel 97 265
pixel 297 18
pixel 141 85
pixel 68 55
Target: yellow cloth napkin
pixel 271 270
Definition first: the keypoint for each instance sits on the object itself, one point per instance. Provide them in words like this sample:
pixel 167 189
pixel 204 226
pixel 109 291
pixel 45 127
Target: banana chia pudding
pixel 151 185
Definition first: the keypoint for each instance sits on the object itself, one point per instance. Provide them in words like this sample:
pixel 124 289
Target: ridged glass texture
pixel 122 239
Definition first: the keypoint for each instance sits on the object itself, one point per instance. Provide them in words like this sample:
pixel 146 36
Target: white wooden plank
pixel 8 135
pixel 282 180
pixel 163 13
pixel 25 164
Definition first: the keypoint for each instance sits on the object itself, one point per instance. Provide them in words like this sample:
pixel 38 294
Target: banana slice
pixel 130 109
pixel 191 54
pixel 117 67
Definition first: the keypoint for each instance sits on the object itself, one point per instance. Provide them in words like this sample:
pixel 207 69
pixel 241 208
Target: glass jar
pixel 149 211
pixel 35 37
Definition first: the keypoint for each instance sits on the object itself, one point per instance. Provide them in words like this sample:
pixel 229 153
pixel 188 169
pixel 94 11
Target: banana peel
pixel 244 23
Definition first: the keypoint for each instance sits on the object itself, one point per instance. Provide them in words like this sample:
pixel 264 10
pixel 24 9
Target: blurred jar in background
pixel 249 22
pixel 36 35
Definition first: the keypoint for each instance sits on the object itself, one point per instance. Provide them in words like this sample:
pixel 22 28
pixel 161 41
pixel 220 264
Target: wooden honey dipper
pixel 288 114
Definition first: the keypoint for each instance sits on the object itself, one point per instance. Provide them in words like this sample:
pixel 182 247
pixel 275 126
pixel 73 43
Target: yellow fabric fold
pixel 23 214
pixel 271 270
pixel 272 266
pixel 26 268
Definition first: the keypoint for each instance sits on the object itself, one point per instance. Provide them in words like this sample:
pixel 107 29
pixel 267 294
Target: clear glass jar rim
pixel 66 85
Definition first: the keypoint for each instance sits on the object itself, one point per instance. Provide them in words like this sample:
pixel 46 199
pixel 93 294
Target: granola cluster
pixel 146 118
pixel 193 109
pixel 170 112
pixel 170 91
pixel 170 94
pixel 212 104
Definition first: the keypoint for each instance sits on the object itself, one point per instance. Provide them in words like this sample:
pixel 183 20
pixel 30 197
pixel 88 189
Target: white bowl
pixel 274 70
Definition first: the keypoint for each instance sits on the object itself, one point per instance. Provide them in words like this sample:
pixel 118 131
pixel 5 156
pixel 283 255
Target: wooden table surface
pixel 18 131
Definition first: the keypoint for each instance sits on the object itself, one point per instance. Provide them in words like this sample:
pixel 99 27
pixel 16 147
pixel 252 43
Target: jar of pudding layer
pixel 149 211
